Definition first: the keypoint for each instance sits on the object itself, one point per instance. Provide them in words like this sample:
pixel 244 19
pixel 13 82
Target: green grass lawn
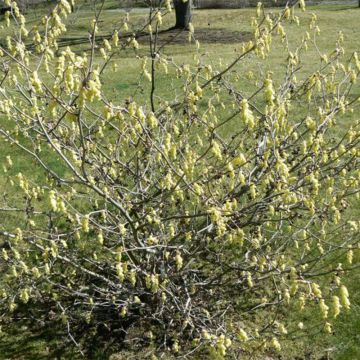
pixel 211 25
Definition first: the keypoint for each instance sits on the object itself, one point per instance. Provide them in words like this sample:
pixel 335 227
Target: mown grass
pixel 345 342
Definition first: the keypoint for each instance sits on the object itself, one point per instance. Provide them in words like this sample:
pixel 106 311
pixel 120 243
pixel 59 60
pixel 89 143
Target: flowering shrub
pixel 177 220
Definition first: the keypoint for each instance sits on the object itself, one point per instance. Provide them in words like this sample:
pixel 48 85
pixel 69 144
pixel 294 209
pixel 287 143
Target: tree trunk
pixel 183 13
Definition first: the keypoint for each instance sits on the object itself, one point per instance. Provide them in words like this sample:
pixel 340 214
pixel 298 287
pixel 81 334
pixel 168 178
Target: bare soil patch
pixel 169 37
pixel 203 35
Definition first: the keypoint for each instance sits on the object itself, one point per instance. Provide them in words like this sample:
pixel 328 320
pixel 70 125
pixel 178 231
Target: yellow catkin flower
pixel 249 280
pixel 154 281
pixel 52 200
pixel 134 44
pixel 269 91
pixel 324 309
pixel 216 150
pixel 239 160
pixel 175 347
pixel 123 311
pixel 9 161
pixel 191 28
pixel 24 296
pixel 316 290
pixel 147 75
pixel 344 297
pixel 158 18
pixel 281 31
pixel 85 224
pixel 65 6
pixel 327 328
pixel 100 237
pixel 301 302
pixel 103 53
pixel 168 5
pixel 179 261
pixel 132 278
pixel 115 39
pixel 36 82
pixel 7 18
pixel 191 31
pixel 253 191
pixel 275 344
pixel 120 272
pixel 246 114
pixel 107 45
pixel 282 329
pixel 336 306
pixel 258 9
pixel 287 12
pixel 221 345
pixel 5 255
pixel 242 335
pixel 35 272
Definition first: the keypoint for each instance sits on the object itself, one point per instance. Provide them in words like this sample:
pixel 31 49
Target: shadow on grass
pixel 335 7
pixel 21 344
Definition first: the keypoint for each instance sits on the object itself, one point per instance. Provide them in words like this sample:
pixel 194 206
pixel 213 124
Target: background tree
pixel 183 11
